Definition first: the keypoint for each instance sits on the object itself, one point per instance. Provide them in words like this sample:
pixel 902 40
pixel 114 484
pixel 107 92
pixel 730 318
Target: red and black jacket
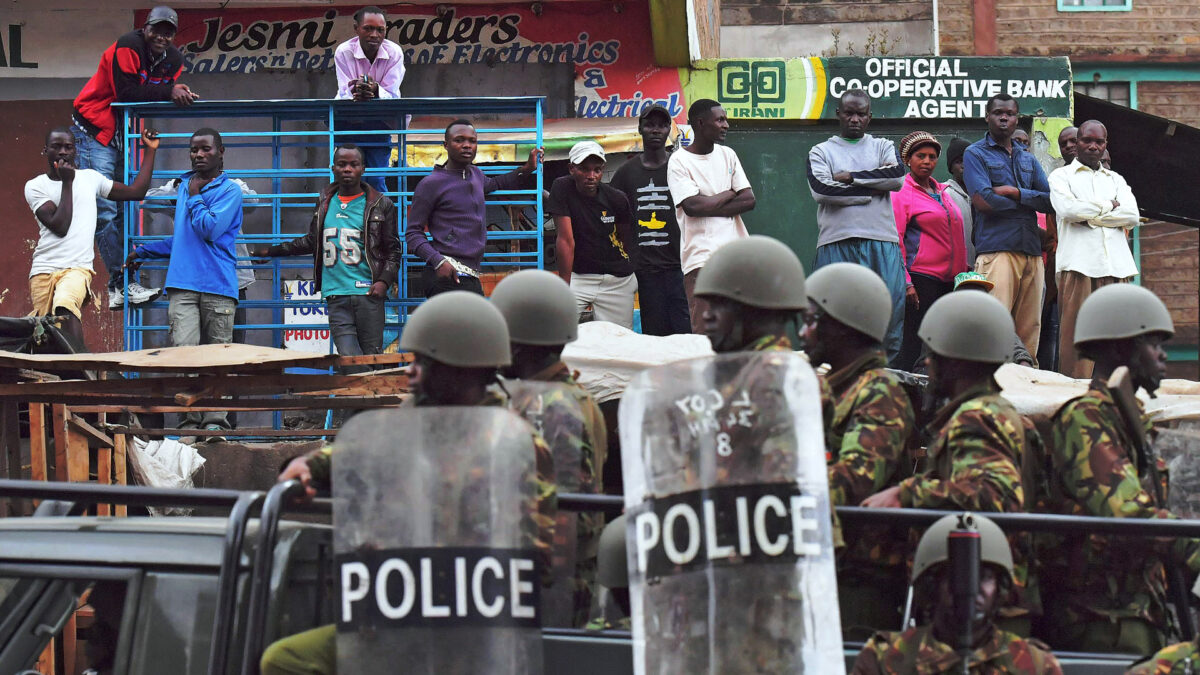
pixel 128 72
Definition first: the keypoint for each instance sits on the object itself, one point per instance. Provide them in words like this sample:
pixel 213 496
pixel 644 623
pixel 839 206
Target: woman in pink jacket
pixel 931 237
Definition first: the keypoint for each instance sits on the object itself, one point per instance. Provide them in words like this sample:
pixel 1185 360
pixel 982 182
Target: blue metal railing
pixel 324 115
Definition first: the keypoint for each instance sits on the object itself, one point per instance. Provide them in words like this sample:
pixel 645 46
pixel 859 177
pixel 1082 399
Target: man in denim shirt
pixel 1008 187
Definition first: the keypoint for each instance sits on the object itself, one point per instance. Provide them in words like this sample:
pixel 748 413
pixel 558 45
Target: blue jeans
pixel 356 325
pixel 377 148
pixel 663 302
pixel 884 258
pixel 110 232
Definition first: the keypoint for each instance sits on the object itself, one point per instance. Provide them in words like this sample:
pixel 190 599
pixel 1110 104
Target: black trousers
pixel 928 291
pixel 663 302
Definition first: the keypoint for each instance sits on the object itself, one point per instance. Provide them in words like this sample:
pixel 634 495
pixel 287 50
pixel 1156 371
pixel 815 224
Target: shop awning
pixel 1158 157
pixel 614 134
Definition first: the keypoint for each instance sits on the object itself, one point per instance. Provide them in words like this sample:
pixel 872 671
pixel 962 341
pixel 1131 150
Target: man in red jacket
pixel 141 65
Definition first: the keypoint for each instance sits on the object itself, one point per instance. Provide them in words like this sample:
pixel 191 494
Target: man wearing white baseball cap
pixel 593 222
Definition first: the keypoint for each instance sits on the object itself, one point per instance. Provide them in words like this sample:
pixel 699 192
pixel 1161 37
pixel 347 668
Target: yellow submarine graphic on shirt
pixel 654 223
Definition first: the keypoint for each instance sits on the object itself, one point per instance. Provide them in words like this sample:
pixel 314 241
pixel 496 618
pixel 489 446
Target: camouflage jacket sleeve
pixel 1095 471
pixel 873 445
pixel 868 661
pixel 978 471
pixel 546 507
pixel 320 465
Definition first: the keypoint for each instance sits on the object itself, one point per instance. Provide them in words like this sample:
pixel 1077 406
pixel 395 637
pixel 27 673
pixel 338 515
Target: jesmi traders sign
pixel 900 87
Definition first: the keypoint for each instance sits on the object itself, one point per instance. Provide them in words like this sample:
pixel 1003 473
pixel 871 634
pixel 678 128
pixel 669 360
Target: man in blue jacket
pixel 202 274
pixel 1008 188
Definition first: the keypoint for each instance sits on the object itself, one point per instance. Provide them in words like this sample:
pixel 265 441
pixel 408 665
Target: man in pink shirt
pixel 369 67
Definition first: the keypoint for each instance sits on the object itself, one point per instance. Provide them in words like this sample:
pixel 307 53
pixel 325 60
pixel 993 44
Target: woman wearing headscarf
pixel 931 237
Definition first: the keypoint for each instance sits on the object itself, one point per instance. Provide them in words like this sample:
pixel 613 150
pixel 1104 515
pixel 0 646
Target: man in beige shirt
pixel 1095 209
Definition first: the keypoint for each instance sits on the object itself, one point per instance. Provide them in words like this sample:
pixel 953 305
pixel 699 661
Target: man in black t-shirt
pixel 643 178
pixel 593 224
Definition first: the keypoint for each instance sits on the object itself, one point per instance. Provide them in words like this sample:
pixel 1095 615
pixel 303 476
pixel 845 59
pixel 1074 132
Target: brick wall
pixel 1170 252
pixel 1163 30
pixel 1179 101
pixel 955 27
pixel 779 12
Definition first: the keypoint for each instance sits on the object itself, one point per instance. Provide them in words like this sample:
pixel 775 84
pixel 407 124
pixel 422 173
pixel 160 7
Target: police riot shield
pixel 730 547
pixel 553 410
pixel 434 538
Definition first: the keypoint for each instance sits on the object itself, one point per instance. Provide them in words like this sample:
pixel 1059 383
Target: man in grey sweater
pixel 852 177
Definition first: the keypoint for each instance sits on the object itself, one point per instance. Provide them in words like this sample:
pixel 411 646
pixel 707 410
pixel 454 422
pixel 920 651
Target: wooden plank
pixel 136 404
pixel 68 645
pixel 45 662
pixel 39 468
pixel 58 415
pixel 77 457
pixel 211 359
pixel 262 432
pixel 95 437
pixel 104 476
pixel 229 385
pixel 10 434
pixel 119 469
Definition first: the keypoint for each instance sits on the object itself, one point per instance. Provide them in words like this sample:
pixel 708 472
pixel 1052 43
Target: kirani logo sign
pixel 764 523
pixel 429 587
pixel 752 88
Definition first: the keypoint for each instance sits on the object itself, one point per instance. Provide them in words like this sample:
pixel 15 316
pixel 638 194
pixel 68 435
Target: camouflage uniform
pixel 917 651
pixel 1113 590
pixel 781 343
pixel 872 422
pixel 974 465
pixel 1178 659
pixel 593 448
pixel 320 465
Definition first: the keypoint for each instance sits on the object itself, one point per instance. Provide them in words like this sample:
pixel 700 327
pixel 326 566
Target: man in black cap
pixel 141 65
pixel 956 188
pixel 643 179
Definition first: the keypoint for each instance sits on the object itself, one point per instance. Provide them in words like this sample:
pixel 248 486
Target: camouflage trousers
pixel 313 652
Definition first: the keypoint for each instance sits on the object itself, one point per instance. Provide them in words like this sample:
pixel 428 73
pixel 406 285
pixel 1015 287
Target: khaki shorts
pixel 69 288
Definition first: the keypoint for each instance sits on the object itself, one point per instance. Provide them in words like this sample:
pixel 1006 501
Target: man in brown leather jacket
pixel 355 245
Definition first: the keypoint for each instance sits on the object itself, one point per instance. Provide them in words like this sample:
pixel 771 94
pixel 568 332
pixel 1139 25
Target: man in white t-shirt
pixel 63 201
pixel 711 192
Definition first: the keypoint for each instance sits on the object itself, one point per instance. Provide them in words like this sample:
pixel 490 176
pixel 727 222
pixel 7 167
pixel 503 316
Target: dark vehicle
pixel 204 595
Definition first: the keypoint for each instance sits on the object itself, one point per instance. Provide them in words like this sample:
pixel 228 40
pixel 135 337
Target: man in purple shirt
pixel 369 67
pixel 449 203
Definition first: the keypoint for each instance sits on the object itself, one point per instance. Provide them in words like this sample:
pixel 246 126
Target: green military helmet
pixel 460 329
pixel 757 271
pixel 1121 311
pixel 854 295
pixel 612 567
pixel 969 326
pixel 539 308
pixel 933 549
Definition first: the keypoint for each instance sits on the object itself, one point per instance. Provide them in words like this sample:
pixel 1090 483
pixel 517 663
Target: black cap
pixel 657 107
pixel 162 14
pixel 957 147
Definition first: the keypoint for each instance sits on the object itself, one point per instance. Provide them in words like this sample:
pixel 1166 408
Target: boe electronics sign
pixel 900 87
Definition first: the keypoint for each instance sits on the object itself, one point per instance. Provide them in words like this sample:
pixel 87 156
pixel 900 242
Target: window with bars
pixel 1113 92
pixel 1095 5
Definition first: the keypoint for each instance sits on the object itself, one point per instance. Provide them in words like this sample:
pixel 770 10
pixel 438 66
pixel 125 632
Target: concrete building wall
pixel 796 28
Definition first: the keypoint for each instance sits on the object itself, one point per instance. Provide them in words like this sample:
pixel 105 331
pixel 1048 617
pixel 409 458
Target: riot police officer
pixel 539 308
pixel 867 438
pixel 1111 597
pixel 932 645
pixel 459 341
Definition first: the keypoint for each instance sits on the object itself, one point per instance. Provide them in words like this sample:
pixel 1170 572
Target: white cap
pixel 584 149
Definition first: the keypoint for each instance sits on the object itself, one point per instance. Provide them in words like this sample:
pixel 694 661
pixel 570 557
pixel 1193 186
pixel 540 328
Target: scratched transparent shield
pixel 730 545
pixel 553 410
pixel 434 536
